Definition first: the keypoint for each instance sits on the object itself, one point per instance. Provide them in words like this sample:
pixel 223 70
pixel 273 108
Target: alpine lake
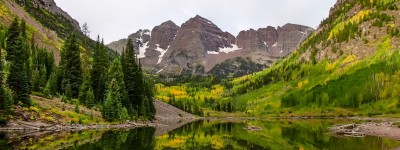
pixel 205 135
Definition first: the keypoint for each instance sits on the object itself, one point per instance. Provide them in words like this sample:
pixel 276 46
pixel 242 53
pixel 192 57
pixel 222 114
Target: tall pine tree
pixel 139 96
pixel 17 54
pixel 71 67
pixel 114 107
pixel 115 72
pixel 99 71
pixel 130 70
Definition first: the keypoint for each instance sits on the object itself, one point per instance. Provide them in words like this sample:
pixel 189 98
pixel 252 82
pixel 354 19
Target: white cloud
pixel 117 19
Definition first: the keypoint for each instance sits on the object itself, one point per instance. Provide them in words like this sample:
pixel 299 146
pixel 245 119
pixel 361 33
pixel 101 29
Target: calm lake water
pixel 204 135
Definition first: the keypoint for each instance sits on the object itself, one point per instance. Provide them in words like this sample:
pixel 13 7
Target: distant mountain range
pixel 198 46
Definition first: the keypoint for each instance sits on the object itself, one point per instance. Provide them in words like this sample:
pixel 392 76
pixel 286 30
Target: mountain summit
pixel 198 46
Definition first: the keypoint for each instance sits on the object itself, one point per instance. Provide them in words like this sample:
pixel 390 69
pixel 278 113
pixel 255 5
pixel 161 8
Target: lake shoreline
pixel 167 118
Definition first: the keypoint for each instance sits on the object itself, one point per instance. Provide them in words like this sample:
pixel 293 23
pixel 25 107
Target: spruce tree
pixel 71 67
pixel 51 86
pixel 149 87
pixel 90 98
pixel 114 107
pixel 112 104
pixel 84 91
pixel 35 80
pixel 42 78
pixel 140 89
pixel 17 54
pixel 50 64
pixel 26 54
pixel 130 70
pixel 99 71
pixel 8 100
pixel 115 73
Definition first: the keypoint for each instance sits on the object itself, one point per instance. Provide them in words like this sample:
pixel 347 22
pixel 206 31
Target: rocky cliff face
pixel 150 45
pixel 52 7
pixel 199 45
pixel 195 39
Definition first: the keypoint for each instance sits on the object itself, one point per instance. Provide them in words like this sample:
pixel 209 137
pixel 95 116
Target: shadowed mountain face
pixel 199 45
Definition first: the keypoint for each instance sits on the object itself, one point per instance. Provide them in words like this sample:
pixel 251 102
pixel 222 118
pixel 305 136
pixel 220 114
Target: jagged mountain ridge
pixel 51 6
pixel 199 45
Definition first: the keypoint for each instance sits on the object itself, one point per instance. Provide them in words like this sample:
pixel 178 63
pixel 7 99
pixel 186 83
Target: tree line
pixel 91 77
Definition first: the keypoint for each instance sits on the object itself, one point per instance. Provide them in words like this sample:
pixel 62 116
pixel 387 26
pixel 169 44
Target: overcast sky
pixel 116 19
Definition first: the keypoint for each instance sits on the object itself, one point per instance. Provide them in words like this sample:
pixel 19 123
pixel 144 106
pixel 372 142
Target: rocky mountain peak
pixel 142 36
pixel 199 45
pixel 163 35
pixel 169 23
pixel 198 22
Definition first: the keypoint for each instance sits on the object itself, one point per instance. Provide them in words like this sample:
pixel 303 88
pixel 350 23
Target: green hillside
pixel 349 66
pixel 44 57
pixel 351 62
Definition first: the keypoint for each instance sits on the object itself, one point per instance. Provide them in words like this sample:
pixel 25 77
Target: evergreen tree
pixel 35 80
pixel 99 71
pixel 26 55
pixel 112 103
pixel 42 78
pixel 90 98
pixel 50 64
pixel 139 91
pixel 8 100
pixel 115 72
pixel 71 67
pixel 84 94
pixel 148 91
pixel 51 85
pixel 17 54
pixel 130 70
pixel 124 114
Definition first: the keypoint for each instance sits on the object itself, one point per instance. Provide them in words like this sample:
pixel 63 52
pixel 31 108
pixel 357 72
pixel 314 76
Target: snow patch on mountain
pixel 142 50
pixel 227 50
pixel 212 52
pixel 162 51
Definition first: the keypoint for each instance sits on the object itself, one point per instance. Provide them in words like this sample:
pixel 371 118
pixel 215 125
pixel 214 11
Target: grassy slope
pixel 347 67
pixel 42 36
pixel 56 112
pixel 363 56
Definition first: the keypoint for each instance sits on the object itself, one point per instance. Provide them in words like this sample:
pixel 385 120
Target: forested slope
pixel 351 62
pixel 348 66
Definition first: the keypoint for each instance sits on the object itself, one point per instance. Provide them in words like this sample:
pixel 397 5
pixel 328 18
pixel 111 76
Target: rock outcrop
pixel 199 45
pixel 51 6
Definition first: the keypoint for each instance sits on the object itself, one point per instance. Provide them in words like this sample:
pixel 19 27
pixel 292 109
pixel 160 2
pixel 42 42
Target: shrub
pixel 3 120
pixel 50 119
pixel 77 107
pixel 64 99
pixel 74 120
pixel 33 108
